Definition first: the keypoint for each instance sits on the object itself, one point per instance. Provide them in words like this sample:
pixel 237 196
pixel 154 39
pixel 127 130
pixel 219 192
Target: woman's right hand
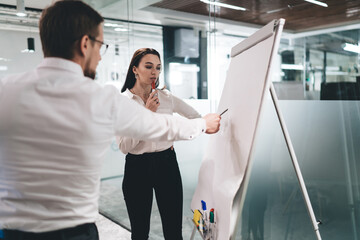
pixel 152 102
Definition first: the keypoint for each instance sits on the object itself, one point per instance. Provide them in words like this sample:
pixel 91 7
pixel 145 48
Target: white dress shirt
pixel 55 127
pixel 169 104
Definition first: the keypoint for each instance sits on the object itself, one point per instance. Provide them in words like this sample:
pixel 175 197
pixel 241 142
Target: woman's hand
pixel 152 102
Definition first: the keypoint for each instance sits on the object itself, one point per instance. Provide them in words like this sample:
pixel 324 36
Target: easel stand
pixel 290 147
pixel 194 232
pixel 295 163
pixel 269 37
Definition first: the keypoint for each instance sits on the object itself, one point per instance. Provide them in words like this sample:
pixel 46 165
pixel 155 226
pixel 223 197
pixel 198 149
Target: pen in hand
pixel 223 112
pixel 153 88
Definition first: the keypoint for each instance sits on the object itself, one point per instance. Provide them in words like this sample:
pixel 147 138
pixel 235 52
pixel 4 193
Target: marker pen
pixel 212 216
pixel 197 218
pixel 224 112
pixel 153 88
pixel 203 205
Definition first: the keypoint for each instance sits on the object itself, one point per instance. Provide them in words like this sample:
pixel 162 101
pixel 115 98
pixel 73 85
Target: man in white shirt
pixel 56 125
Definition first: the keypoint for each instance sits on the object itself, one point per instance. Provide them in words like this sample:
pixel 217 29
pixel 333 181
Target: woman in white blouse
pixel 152 166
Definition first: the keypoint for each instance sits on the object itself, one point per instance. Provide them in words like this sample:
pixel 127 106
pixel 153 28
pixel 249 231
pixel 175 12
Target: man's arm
pixel 133 120
pixel 212 123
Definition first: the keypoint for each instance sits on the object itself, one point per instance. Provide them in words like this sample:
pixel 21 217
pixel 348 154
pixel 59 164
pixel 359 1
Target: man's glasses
pixel 103 47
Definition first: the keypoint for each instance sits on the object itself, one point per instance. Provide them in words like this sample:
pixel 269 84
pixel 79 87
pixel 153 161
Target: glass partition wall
pixel 324 133
pixel 124 39
pixel 319 67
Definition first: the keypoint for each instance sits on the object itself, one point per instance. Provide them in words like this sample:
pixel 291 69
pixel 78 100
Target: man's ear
pixel 84 45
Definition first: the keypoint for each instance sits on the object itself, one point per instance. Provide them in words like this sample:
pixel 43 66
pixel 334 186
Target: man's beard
pixel 89 72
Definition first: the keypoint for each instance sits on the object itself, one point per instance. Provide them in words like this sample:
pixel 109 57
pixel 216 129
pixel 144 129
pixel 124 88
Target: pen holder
pixel 206 229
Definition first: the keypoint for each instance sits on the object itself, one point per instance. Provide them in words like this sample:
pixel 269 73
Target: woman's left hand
pixel 152 102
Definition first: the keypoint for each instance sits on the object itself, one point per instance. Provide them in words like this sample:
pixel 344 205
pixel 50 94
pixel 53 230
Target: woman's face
pixel 148 70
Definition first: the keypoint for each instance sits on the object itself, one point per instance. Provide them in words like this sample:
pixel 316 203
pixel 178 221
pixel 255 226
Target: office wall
pixel 12 43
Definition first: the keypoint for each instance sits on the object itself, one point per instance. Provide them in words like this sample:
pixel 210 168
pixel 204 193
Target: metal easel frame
pixel 300 178
pixel 289 145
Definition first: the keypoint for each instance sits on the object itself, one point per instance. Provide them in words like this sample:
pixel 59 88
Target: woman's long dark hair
pixel 138 55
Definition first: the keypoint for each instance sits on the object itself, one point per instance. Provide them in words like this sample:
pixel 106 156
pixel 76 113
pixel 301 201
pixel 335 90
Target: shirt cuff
pixel 201 127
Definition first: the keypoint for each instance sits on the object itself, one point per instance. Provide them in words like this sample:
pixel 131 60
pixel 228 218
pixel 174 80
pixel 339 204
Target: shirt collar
pixel 63 64
pixel 130 94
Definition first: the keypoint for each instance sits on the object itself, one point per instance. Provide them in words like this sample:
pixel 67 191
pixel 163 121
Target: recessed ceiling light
pixel 120 30
pixel 20 7
pixel 5 59
pixel 27 51
pixel 3 68
pixel 292 67
pixel 224 5
pixel 351 47
pixel 111 25
pixel 21 14
pixel 317 3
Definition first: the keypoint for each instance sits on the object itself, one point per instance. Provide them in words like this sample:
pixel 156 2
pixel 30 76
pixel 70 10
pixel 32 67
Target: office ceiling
pixel 299 15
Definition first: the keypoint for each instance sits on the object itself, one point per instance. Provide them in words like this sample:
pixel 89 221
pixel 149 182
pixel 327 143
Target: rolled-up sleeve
pixel 184 109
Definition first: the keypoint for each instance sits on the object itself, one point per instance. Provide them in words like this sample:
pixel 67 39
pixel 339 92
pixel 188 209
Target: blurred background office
pixel 316 76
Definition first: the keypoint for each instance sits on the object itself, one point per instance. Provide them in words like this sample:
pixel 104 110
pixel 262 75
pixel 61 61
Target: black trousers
pixel 158 172
pixel 86 231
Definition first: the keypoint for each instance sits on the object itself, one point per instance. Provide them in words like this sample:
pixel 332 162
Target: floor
pixel 112 206
pixel 109 230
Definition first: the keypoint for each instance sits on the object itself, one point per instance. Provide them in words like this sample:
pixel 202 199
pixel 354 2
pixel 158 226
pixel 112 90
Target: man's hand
pixel 212 122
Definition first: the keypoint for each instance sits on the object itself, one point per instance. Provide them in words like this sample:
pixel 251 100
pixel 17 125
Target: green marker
pixel 212 215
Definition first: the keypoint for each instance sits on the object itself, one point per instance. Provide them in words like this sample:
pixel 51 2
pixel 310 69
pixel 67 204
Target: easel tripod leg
pixel 295 162
pixel 193 233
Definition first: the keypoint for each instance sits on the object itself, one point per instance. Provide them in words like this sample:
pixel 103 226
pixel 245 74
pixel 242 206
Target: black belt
pixel 170 149
pixel 66 233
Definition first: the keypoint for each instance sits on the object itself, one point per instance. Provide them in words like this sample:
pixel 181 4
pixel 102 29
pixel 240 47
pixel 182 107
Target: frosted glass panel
pixel 326 136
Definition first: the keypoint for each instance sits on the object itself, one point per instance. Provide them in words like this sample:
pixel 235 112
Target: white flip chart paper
pixel 225 163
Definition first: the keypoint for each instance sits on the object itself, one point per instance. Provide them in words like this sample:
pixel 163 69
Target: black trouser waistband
pixel 87 231
pixel 170 149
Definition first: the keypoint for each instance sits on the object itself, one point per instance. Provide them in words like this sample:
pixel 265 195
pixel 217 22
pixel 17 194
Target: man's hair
pixel 63 24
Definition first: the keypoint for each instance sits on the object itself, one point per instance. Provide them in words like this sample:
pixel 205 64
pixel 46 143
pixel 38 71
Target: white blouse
pixel 169 104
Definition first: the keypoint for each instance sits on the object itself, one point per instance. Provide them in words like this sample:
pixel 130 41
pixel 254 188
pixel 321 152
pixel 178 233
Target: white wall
pixel 12 42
